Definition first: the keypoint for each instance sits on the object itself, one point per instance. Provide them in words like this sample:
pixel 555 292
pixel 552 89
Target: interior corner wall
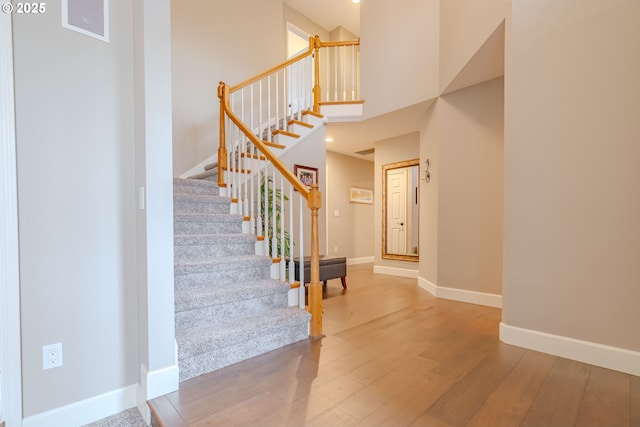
pixel 398 149
pixel 428 241
pixel 572 205
pixel 470 188
pixel 76 174
pixel 213 41
pixel 351 230
pixel 464 26
pixel 398 34
pixel 305 24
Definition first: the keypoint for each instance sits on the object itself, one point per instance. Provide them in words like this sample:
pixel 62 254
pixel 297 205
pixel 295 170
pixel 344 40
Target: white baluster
pixel 301 257
pixel 344 73
pixel 335 71
pixel 353 72
pixel 270 137
pixel 291 234
pixel 283 259
pixel 277 126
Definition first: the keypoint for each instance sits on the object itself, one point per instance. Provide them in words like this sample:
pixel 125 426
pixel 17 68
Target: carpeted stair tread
pixel 222 264
pixel 205 175
pixel 203 339
pixel 206 246
pixel 201 198
pixel 195 186
pixel 212 239
pixel 190 223
pixel 200 217
pixel 186 300
pixel 211 166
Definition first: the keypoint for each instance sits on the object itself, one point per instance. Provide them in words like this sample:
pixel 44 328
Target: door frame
pixel 10 346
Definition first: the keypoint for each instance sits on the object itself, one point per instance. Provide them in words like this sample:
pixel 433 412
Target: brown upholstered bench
pixel 330 268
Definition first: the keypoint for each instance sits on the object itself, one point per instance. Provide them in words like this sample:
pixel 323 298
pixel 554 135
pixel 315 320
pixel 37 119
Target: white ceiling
pixel 330 14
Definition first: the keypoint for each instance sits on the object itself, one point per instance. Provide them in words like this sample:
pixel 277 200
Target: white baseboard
pixel 363 260
pixel 462 295
pixel 86 411
pixel 609 357
pixel 394 271
pixel 163 381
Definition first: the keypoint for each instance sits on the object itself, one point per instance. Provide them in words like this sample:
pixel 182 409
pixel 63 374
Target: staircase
pixel 227 309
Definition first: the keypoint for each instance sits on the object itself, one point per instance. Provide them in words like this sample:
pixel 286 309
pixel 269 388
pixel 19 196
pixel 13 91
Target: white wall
pixel 75 143
pixel 352 230
pixel 213 41
pixel 398 54
pixel 572 205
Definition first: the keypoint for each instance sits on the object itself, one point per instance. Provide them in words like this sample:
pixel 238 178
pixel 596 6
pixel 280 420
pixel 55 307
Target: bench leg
pixel 344 281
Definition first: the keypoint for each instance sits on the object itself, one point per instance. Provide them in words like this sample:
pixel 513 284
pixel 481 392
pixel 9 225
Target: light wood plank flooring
pixel 395 356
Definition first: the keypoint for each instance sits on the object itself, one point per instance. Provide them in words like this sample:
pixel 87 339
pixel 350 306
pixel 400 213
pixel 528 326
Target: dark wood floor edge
pixel 161 410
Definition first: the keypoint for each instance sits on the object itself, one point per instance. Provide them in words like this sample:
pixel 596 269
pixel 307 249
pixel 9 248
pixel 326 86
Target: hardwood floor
pixel 394 355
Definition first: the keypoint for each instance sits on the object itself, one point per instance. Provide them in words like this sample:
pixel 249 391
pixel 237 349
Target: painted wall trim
pixel 609 357
pixel 10 357
pixel 462 295
pixel 394 271
pixel 86 411
pixel 362 260
pixel 157 383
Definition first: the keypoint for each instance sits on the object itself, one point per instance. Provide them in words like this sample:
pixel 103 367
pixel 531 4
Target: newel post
pixel 223 93
pixel 315 288
pixel 316 85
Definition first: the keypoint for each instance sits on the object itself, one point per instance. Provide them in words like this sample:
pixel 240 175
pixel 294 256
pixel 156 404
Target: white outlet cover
pixel 51 356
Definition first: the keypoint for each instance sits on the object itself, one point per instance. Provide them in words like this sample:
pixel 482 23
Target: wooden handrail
pixel 223 92
pixel 276 68
pixel 340 43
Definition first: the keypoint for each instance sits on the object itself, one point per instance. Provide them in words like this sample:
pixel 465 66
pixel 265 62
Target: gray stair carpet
pixel 227 308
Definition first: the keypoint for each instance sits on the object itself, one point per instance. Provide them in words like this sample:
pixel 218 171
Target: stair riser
pixel 222 356
pixel 182 206
pixel 196 190
pixel 202 252
pixel 228 311
pixel 220 277
pixel 203 227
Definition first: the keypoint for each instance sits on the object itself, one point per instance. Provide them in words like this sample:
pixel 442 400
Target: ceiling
pixel 330 14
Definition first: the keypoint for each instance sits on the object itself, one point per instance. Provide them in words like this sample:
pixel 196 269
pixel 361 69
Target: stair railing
pixel 261 187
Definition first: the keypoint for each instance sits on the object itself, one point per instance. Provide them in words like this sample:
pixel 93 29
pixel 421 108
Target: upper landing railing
pixel 263 190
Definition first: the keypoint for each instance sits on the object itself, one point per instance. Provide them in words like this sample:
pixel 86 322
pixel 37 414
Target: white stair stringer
pixel 228 309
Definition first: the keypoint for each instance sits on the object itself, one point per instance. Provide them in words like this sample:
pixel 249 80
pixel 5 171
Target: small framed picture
pixel 306 174
pixel 361 195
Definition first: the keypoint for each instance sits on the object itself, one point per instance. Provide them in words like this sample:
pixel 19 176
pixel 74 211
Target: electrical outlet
pixel 335 249
pixel 52 356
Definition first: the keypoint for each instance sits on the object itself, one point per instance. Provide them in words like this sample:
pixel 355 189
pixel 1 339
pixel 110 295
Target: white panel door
pixel 396 210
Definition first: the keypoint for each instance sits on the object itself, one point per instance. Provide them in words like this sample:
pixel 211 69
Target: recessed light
pixel 328 139
pixel 356 1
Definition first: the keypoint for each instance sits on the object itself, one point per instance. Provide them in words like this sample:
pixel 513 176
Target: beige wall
pixel 398 54
pixel 398 149
pixel 77 213
pixel 303 23
pixel 572 205
pixel 352 230
pixel 461 210
pixel 470 180
pixel 200 61
pixel 464 26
